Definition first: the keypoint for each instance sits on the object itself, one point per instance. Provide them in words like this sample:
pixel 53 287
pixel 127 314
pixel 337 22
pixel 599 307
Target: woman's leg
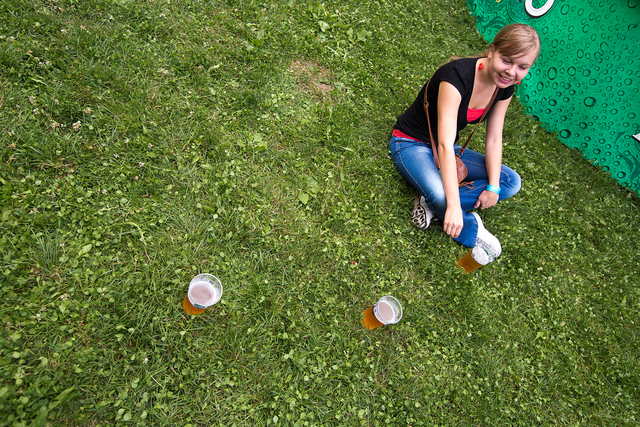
pixel 414 160
pixel 510 182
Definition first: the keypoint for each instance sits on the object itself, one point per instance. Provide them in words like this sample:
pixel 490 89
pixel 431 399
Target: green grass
pixel 249 140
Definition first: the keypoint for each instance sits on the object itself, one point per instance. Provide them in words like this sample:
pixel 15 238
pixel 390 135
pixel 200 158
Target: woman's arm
pixel 449 100
pixel 493 153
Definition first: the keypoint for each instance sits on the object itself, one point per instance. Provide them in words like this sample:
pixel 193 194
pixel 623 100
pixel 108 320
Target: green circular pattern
pixel 585 85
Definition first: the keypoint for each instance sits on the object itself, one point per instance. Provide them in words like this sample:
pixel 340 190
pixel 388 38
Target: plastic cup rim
pixel 389 300
pixel 206 277
pixel 480 256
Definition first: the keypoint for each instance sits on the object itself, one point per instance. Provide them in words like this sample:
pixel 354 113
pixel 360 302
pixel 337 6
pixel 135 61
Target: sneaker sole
pixel 421 212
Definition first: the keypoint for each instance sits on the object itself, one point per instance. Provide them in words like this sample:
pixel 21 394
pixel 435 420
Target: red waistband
pixel 399 134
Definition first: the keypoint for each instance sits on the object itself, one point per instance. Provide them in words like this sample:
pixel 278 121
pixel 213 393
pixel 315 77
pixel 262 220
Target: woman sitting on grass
pixel 458 93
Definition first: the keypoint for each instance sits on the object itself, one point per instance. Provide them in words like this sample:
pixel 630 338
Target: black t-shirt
pixel 461 74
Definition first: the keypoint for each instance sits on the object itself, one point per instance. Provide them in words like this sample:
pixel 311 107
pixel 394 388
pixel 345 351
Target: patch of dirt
pixel 313 78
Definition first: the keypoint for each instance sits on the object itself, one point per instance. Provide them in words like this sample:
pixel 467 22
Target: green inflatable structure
pixel 585 84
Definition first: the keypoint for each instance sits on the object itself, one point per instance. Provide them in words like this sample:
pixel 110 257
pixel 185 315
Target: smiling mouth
pixel 504 79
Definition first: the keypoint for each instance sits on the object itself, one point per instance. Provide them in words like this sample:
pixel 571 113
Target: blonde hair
pixel 516 40
pixel 512 40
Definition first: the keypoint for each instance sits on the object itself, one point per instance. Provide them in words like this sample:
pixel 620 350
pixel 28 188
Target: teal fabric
pixel 585 85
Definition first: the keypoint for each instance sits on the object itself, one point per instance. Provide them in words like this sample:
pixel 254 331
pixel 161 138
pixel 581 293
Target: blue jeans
pixel 414 160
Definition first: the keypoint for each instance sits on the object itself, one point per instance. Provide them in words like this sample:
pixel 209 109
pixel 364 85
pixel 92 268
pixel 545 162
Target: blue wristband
pixel 493 189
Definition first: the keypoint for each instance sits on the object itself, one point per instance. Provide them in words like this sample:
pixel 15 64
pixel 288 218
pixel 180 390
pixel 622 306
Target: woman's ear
pixel 492 50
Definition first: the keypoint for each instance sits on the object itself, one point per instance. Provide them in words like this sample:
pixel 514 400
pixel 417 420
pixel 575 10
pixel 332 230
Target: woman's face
pixel 509 70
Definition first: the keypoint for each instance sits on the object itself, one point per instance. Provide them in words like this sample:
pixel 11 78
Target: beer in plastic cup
pixel 204 291
pixel 474 259
pixel 386 311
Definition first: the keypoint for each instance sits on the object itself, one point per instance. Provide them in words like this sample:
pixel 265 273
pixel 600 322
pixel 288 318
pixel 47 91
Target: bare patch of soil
pixel 313 78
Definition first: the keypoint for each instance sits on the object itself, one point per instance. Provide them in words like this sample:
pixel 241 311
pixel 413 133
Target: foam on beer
pixel 385 312
pixel 203 294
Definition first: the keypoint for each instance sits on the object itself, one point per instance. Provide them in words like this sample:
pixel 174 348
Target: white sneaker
pixel 421 214
pixel 487 241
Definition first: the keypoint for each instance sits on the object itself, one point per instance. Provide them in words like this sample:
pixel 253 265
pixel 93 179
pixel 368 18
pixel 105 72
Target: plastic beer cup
pixel 204 291
pixel 386 311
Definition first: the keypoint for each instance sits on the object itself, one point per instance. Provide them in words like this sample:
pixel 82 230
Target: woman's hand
pixel 453 222
pixel 486 200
